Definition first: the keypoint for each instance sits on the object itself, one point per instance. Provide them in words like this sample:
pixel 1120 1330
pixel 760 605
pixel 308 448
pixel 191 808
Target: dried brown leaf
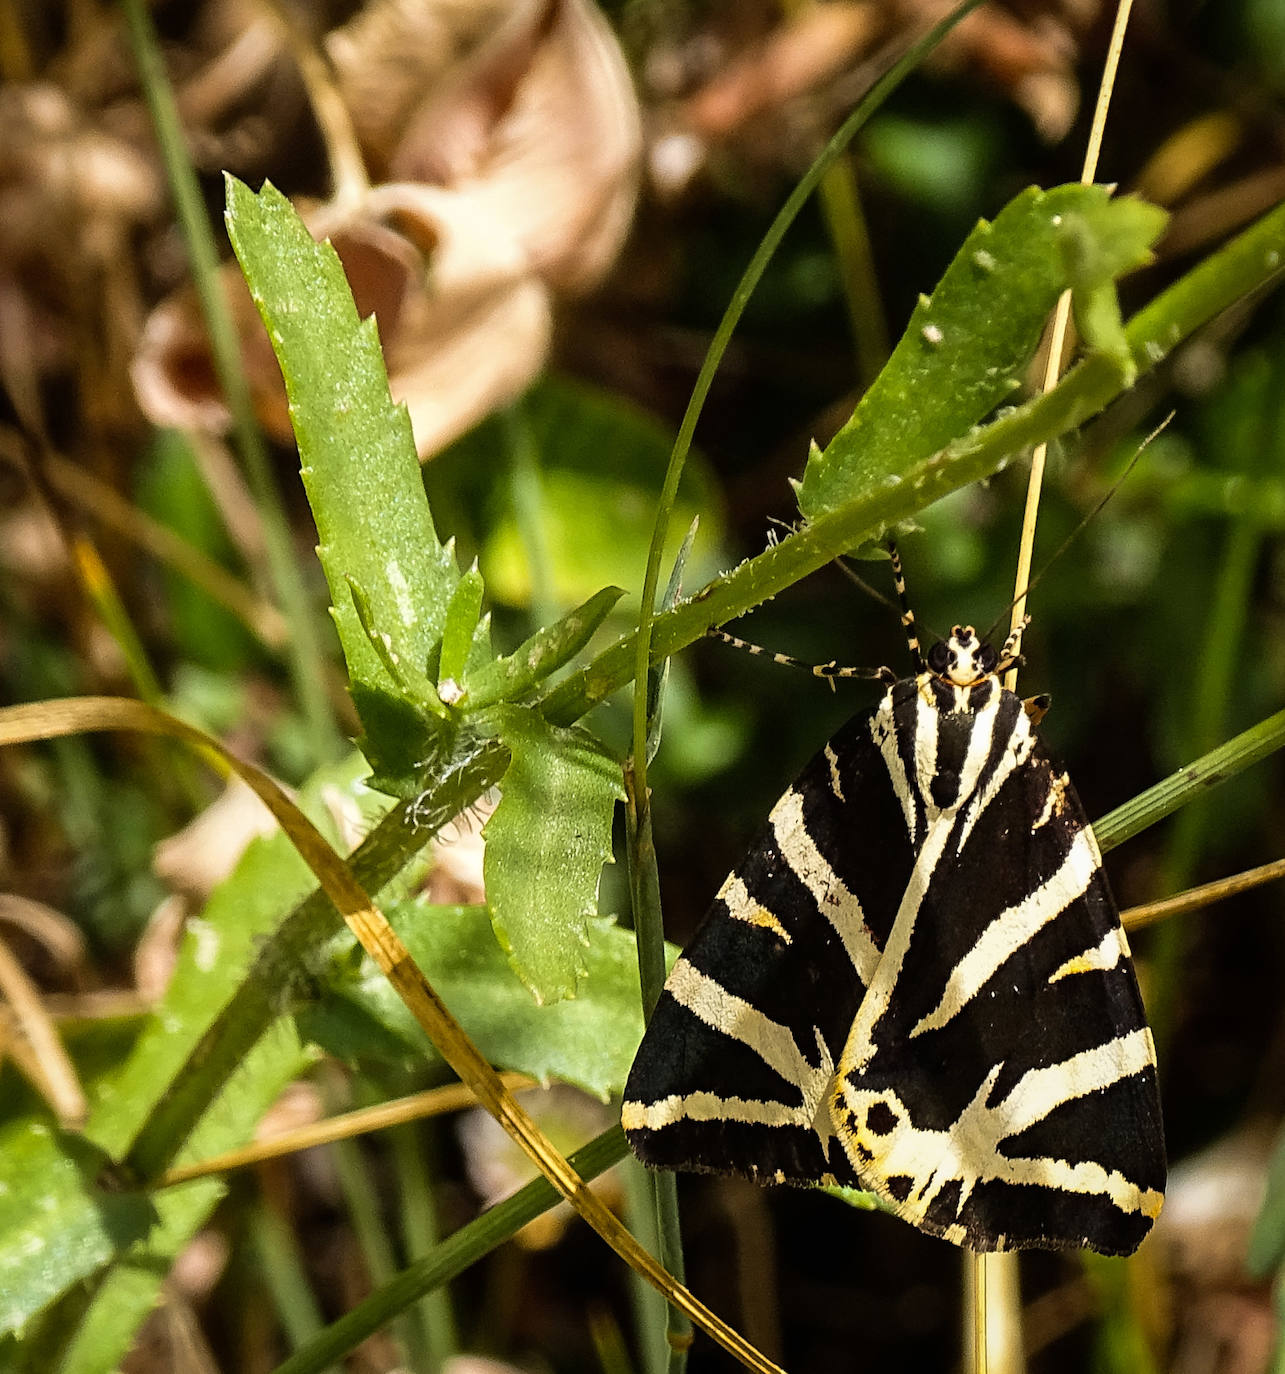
pixel 541 133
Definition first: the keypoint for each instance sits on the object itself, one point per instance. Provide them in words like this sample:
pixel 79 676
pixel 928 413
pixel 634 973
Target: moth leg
pixel 907 615
pixel 1011 654
pixel 828 671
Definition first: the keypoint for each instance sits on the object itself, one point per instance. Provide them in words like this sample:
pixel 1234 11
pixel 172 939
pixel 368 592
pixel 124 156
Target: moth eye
pixel 938 657
pixel 881 1119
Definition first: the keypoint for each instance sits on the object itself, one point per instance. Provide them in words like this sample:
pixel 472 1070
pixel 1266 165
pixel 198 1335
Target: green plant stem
pixel 283 1271
pixel 649 1306
pixel 1190 782
pixel 306 661
pixel 644 884
pixel 367 1221
pixel 526 498
pixel 419 1224
pixel 718 346
pixel 452 1257
pixel 1242 266
pixel 840 198
pixel 678 1331
pixel 644 891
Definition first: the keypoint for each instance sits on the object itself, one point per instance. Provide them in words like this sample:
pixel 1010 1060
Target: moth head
pixel 962 659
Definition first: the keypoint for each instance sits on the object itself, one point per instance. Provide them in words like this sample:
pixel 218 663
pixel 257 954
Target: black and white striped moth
pixel 916 983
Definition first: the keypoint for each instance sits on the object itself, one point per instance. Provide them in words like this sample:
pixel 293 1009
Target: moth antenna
pixel 1079 529
pixel 876 595
pixel 862 585
pixel 828 671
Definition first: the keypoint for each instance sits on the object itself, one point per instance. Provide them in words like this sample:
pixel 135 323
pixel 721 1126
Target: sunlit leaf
pixel 360 470
pixel 546 843
pixel 966 346
pixel 588 1040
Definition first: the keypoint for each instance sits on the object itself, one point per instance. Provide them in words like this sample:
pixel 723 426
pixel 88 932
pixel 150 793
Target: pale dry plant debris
pixel 514 177
pixel 763 92
pixel 196 859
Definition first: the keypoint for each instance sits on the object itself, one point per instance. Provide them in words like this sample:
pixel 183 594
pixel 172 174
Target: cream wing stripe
pixel 1011 929
pixel 705 1106
pixel 1106 954
pixel 833 760
pixel 1086 1176
pixel 1039 1091
pixel 884 734
pixel 735 1017
pixel 927 719
pixel 839 906
pixel 742 907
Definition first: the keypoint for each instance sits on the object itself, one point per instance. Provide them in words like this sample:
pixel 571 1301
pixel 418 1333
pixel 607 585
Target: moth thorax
pixel 963 659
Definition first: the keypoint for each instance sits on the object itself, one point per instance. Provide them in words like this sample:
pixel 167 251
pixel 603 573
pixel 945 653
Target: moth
pixel 916 983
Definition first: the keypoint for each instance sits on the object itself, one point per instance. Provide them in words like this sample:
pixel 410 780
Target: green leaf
pixel 588 1040
pixel 543 653
pixel 658 675
pixel 546 843
pixel 462 615
pixel 52 1205
pixel 1101 242
pixel 360 471
pixel 965 348
pixel 601 467
pixel 129 1286
pixel 56 1226
pixel 50 1199
pixel 383 648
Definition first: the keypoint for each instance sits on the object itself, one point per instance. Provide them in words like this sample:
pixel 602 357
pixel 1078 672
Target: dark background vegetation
pixel 1158 632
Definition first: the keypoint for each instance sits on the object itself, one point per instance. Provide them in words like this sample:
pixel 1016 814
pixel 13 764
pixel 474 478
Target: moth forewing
pixel 998 1085
pixel 916 981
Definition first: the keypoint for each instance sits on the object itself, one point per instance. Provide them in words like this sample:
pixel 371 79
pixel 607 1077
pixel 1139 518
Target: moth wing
pixel 1011 1096
pixel 737 1065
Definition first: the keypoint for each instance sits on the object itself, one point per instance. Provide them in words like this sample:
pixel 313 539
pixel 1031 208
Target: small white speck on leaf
pixel 208 942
